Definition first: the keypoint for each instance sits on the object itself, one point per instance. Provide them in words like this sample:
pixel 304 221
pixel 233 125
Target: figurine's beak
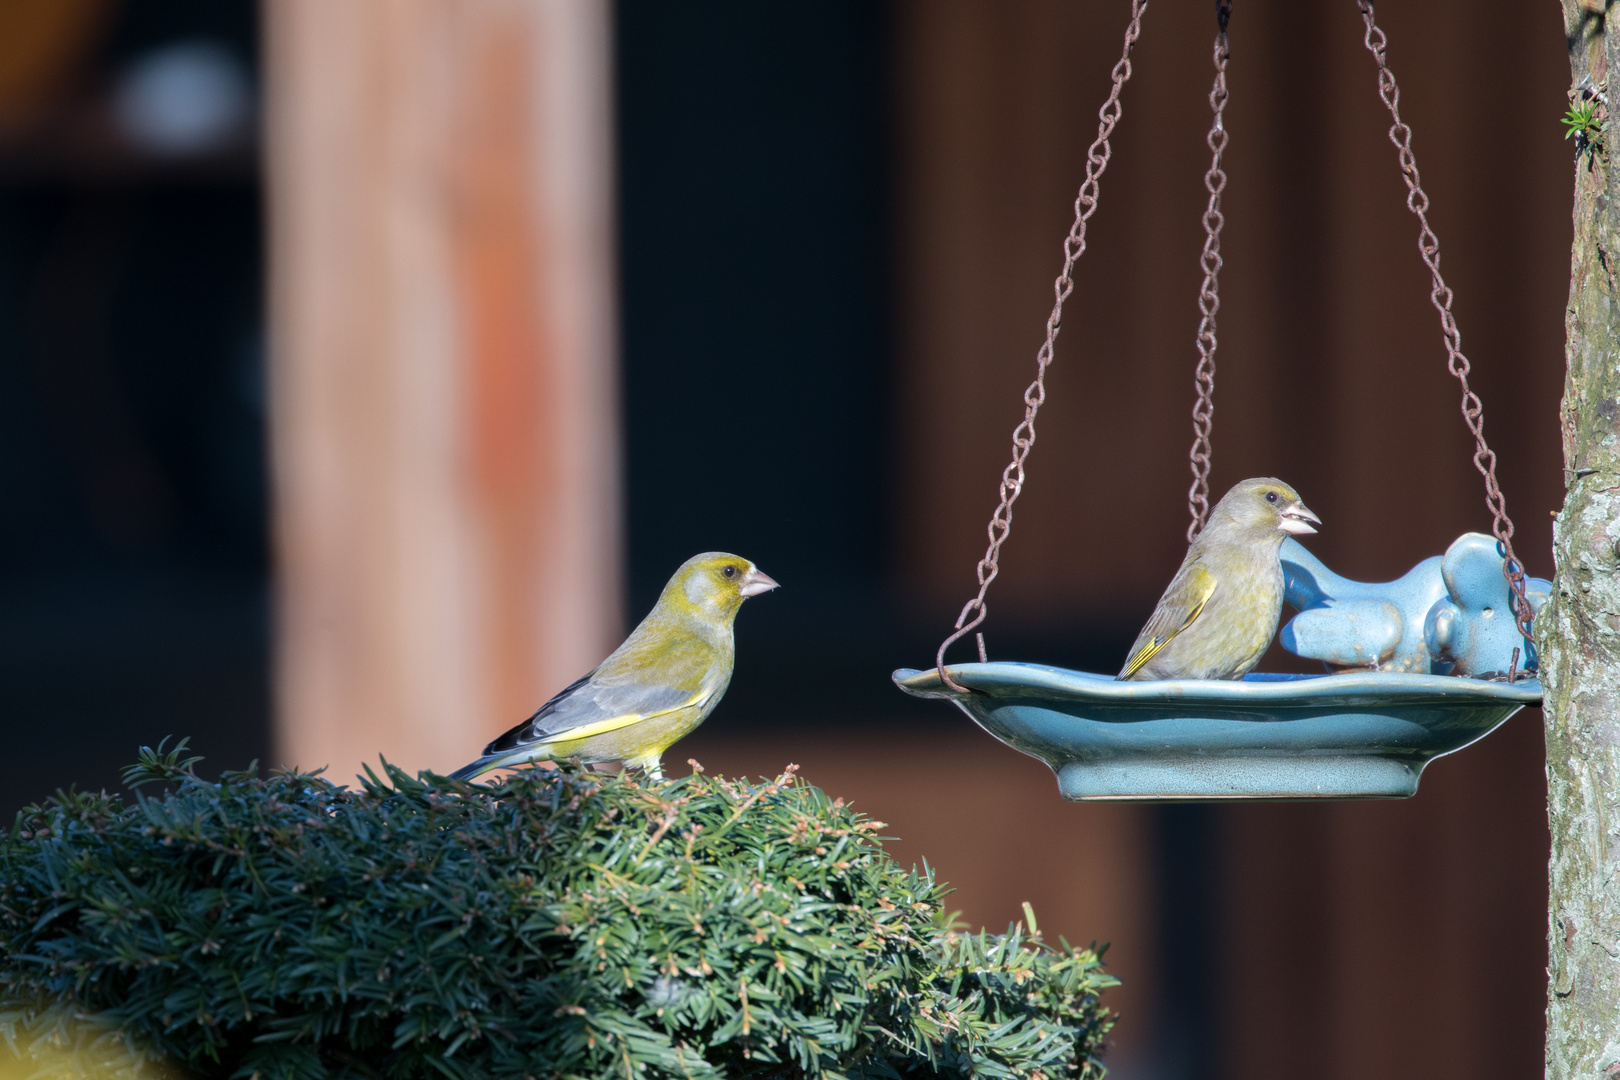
pixel 757 581
pixel 1296 520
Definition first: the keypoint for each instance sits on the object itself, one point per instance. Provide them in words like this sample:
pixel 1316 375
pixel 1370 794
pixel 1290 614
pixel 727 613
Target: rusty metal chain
pixel 1209 298
pixel 1473 410
pixel 1012 477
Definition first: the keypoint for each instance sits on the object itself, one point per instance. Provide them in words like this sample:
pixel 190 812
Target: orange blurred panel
pixel 443 371
pixel 42 45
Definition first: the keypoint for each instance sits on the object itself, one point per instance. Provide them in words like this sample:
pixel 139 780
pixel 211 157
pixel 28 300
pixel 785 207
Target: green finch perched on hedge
pixel 661 683
pixel 1221 611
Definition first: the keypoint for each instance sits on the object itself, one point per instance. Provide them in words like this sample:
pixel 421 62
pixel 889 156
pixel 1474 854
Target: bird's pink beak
pixel 1296 520
pixel 757 581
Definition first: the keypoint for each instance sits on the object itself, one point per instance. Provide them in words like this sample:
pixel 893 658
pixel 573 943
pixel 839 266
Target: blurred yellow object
pixel 93 1059
pixel 41 43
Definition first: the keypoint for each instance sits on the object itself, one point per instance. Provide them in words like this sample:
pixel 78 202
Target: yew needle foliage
pixel 558 924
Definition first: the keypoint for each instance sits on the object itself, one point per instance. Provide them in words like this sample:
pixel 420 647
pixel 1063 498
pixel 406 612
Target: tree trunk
pixel 1579 633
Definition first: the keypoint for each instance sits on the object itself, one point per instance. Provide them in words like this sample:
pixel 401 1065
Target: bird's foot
pixel 650 766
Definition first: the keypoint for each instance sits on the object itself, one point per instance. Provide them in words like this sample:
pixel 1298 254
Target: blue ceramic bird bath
pixel 1362 735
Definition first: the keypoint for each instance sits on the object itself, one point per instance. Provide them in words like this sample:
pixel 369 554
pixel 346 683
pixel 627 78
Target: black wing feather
pixel 526 731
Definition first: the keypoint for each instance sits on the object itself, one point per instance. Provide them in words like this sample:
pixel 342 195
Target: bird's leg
pixel 649 764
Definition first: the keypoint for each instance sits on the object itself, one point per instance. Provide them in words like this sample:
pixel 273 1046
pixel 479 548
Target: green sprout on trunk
pixel 1584 123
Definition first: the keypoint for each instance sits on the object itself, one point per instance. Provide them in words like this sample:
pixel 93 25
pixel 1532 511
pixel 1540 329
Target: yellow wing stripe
pixel 1151 649
pixel 614 723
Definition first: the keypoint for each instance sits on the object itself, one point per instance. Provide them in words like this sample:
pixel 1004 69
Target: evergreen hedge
pixel 557 924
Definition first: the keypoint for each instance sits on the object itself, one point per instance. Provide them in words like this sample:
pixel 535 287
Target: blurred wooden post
pixel 443 372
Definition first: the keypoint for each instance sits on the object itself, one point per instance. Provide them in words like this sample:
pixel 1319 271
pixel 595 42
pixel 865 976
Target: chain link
pixel 1074 245
pixel 1473 410
pixel 1209 298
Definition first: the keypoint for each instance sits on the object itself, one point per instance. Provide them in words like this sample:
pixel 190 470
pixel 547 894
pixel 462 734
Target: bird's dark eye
pixel 731 571
pixel 1271 496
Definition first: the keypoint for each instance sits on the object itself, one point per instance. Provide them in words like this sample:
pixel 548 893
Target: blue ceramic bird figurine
pixel 1354 625
pixel 1447 615
pixel 1473 630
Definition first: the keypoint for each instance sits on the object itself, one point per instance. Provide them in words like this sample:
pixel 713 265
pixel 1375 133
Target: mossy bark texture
pixel 1579 634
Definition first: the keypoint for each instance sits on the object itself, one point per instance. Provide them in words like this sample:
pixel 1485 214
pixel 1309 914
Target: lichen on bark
pixel 1578 633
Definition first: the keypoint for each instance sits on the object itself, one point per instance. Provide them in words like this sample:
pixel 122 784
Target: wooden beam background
pixel 445 445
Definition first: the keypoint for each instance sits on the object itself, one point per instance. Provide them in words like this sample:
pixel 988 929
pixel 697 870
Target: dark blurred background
pixel 134 591
pixel 837 226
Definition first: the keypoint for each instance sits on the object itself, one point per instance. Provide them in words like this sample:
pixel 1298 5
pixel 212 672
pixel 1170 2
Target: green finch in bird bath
pixel 656 688
pixel 1221 610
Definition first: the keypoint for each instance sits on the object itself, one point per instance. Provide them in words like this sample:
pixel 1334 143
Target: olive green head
pixel 714 585
pixel 1264 506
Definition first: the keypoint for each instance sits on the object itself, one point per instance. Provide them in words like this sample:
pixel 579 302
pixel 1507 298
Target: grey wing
pixel 1178 607
pixel 589 702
